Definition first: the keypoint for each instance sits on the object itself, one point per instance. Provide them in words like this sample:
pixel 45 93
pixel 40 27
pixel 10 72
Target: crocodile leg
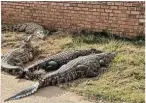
pixel 21 75
pixel 22 27
pixel 91 73
pixel 18 62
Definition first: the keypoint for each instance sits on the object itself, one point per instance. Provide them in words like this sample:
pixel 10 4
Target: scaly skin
pixel 29 28
pixel 14 60
pixel 53 63
pixel 85 66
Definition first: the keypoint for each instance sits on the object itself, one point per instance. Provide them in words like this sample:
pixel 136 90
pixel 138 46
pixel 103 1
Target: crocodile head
pixel 42 34
pixel 106 58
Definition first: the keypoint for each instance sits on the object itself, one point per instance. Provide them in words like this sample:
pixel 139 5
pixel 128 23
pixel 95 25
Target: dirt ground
pixel 50 94
pixel 11 85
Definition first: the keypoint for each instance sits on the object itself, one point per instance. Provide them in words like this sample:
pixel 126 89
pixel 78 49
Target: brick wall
pixel 121 18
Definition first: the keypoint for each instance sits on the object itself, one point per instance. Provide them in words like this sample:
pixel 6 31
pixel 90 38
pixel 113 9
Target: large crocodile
pixel 14 60
pixel 53 63
pixel 29 28
pixel 85 66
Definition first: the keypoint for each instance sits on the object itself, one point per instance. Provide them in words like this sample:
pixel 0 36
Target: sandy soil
pixel 50 94
pixel 11 85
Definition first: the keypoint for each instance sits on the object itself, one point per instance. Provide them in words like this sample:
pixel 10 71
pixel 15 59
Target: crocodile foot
pixel 21 75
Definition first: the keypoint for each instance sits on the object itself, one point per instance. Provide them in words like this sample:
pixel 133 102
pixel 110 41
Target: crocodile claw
pixel 21 75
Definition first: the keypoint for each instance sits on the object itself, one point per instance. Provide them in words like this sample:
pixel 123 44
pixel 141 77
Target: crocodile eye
pixel 101 62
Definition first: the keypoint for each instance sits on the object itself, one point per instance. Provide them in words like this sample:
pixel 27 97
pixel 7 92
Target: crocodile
pixel 81 67
pixel 15 59
pixel 53 63
pixel 29 28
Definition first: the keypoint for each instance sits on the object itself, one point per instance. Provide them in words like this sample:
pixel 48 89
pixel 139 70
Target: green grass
pixel 124 81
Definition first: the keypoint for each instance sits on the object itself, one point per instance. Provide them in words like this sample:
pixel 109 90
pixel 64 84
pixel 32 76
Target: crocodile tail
pixel 26 92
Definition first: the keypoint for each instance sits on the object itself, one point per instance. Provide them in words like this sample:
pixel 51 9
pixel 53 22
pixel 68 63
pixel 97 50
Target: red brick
pixel 76 8
pixel 81 5
pixel 122 15
pixel 96 6
pixel 116 11
pixel 119 3
pixel 127 4
pixel 113 7
pixel 134 12
pixel 111 14
pixel 104 7
pixel 88 13
pixel 100 10
pixel 86 9
pixel 92 9
pixel 108 10
pixel 110 3
pixel 122 8
pixel 96 13
pixel 141 20
pixel 122 18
